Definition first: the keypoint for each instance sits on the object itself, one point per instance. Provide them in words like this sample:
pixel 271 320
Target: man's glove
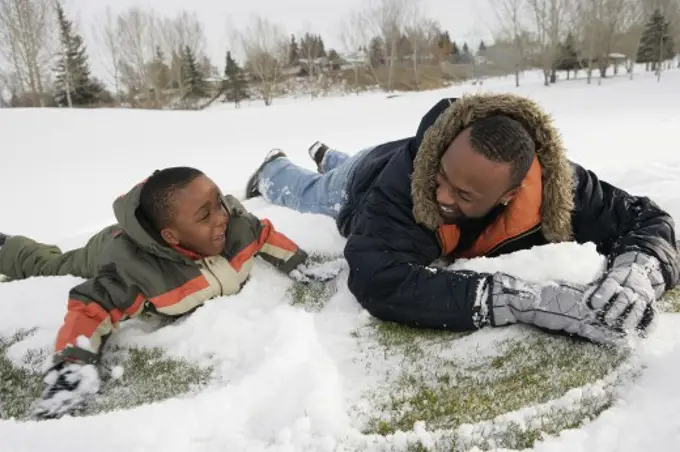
pixel 555 306
pixel 68 388
pixel 625 295
pixel 310 271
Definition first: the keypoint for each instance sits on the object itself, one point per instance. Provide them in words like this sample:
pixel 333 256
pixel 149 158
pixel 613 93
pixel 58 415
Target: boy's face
pixel 200 221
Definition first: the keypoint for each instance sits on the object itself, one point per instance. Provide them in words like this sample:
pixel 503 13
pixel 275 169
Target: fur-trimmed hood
pixel 557 205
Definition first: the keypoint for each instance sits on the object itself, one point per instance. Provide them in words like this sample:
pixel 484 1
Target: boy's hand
pixel 311 271
pixel 69 386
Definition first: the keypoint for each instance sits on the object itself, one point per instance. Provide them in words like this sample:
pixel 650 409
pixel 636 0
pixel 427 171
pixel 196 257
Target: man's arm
pixel 618 222
pixel 389 257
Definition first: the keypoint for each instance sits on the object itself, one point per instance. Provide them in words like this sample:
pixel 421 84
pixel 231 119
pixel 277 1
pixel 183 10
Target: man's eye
pixel 463 196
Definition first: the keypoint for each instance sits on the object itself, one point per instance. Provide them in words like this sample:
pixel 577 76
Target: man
pixel 484 175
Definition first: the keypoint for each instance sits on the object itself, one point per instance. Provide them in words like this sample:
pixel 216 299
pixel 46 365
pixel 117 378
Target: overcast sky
pixel 466 20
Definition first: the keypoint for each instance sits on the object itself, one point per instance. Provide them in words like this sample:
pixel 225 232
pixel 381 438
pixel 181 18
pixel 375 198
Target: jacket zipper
pixel 514 239
pixel 207 265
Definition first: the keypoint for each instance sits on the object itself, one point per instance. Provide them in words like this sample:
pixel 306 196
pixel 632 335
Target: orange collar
pixel 188 253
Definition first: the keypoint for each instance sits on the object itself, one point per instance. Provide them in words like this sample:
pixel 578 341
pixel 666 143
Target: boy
pixel 178 243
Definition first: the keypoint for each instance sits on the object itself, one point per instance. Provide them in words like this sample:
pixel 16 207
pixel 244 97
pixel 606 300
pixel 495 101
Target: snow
pixel 289 377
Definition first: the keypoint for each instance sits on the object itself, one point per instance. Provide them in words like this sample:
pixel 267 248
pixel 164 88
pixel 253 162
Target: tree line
pixel 156 61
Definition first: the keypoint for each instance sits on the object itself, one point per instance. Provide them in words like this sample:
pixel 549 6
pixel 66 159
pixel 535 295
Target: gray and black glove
pixel 69 386
pixel 555 306
pixel 313 271
pixel 624 297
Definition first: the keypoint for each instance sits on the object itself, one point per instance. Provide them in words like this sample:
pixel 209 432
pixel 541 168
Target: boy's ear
pixel 169 236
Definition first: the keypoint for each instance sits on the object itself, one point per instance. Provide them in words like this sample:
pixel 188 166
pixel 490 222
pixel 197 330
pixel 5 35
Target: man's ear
pixel 170 237
pixel 510 195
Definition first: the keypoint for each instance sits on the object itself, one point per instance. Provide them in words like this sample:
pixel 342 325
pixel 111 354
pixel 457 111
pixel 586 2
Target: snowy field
pixel 285 368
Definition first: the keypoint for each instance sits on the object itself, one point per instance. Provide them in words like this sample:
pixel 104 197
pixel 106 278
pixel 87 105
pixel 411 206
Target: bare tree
pixel 511 18
pixel 27 43
pixel 184 30
pixel 264 46
pixel 602 25
pixel 421 33
pixel 356 38
pixel 387 19
pixel 137 37
pixel 549 21
pixel 107 37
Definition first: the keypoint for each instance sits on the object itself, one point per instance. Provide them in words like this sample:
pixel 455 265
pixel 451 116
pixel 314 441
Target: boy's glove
pixel 310 271
pixel 556 307
pixel 69 386
pixel 625 295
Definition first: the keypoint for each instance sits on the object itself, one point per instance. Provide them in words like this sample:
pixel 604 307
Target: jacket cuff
pixel 75 355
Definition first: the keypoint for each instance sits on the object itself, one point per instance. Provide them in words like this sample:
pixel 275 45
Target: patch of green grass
pixel 671 300
pixel 313 296
pixel 149 376
pixel 19 386
pixel 527 374
pixel 445 393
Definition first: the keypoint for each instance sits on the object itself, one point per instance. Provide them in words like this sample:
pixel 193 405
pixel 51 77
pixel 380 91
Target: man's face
pixel 468 184
pixel 200 221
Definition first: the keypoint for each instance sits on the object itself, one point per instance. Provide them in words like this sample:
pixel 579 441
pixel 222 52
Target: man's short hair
pixel 502 139
pixel 156 200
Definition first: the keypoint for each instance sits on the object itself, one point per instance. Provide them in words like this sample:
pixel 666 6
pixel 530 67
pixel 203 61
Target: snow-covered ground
pixel 290 378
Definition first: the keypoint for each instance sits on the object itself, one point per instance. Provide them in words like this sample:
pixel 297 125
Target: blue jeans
pixel 285 184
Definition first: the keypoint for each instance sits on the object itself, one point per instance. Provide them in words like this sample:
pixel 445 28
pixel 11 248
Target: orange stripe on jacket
pixel 81 320
pixel 522 214
pixel 270 236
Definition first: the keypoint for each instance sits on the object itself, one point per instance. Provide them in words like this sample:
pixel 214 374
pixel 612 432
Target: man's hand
pixel 625 295
pixel 310 271
pixel 555 306
pixel 68 388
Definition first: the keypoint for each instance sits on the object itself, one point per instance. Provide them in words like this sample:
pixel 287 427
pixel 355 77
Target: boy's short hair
pixel 158 192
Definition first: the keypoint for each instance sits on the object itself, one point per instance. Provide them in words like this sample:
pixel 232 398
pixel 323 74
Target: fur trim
pixel 558 200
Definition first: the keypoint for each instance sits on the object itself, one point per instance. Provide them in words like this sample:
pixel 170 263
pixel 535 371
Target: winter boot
pixel 317 151
pixel 252 190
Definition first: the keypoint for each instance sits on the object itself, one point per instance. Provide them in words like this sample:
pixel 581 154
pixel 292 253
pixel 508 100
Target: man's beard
pixel 474 223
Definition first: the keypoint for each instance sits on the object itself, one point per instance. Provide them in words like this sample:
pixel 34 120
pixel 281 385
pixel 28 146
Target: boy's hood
pixel 128 216
pixel 558 203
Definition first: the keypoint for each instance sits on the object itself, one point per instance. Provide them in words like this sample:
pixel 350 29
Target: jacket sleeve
pixel 94 311
pixel 277 249
pixel 389 259
pixel 617 221
pixel 269 244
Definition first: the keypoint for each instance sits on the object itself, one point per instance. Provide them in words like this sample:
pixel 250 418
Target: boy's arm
pixel 271 245
pixel 276 248
pixel 95 308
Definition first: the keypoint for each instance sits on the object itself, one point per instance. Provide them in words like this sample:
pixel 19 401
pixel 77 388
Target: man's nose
pixel 444 196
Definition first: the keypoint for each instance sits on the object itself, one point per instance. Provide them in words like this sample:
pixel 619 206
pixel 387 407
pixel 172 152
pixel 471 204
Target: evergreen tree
pixel 656 44
pixel 196 85
pixel 74 85
pixel 334 60
pixel 293 52
pixel 568 59
pixel 235 83
pixel 376 53
pixel 482 48
pixel 466 49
